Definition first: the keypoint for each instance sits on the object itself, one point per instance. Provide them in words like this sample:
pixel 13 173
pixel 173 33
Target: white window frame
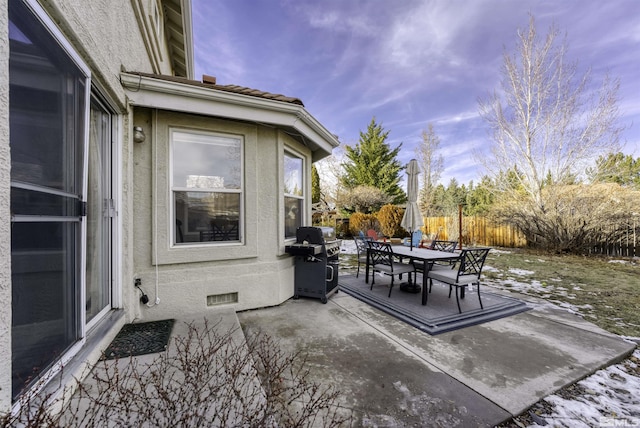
pixel 173 189
pixel 162 252
pixel 288 151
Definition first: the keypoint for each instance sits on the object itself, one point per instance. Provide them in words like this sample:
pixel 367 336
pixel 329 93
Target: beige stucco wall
pixel 258 270
pixel 108 37
pixel 5 231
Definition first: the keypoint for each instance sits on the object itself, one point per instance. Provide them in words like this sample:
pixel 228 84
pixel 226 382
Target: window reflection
pixel 293 194
pixel 207 216
pixel 47 94
pixel 207 188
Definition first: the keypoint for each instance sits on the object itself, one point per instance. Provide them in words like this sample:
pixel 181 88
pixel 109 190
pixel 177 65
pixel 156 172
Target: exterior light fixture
pixel 138 134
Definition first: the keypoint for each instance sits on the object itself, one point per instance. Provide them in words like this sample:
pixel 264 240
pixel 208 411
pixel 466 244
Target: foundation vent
pixel 222 299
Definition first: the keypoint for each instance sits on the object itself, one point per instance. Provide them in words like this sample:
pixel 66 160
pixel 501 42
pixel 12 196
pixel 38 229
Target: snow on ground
pixel 348 246
pixel 521 272
pixel 612 395
pixel 611 398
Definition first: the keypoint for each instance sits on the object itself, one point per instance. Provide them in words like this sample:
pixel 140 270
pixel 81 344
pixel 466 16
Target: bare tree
pixel 575 217
pixel 547 124
pixel 431 165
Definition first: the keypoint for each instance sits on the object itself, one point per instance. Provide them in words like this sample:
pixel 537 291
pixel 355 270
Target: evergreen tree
pixel 372 162
pixel 479 198
pixel 315 185
pixel 438 201
pixel 617 168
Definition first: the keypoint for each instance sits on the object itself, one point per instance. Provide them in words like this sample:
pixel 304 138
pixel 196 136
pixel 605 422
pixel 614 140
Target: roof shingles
pixel 227 88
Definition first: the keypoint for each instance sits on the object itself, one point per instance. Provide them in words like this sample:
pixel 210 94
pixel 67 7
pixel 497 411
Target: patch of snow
pixel 612 398
pixel 348 246
pixel 622 262
pixel 521 272
pixel 490 269
pixel 494 251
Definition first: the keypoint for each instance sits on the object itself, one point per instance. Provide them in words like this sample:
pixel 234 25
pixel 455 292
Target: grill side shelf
pixel 303 249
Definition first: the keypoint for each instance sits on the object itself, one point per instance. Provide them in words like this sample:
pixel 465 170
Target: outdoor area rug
pixel 441 313
pixel 140 339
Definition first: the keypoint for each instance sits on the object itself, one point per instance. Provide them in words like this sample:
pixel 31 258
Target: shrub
pixel 390 217
pixel 206 378
pixel 572 218
pixel 366 199
pixel 363 222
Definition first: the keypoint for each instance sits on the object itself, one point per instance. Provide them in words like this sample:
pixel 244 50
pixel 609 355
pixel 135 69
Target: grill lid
pixel 315 235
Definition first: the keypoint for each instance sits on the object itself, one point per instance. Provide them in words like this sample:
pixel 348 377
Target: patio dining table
pixel 428 257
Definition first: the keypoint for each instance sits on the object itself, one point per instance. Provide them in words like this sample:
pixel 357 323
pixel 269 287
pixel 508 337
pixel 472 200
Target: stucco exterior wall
pixel 108 37
pixel 258 271
pixel 5 231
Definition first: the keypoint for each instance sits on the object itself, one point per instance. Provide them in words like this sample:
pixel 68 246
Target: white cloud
pixel 407 63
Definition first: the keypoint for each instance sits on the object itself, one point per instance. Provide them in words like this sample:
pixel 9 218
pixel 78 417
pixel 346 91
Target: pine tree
pixel 315 185
pixel 617 168
pixel 372 162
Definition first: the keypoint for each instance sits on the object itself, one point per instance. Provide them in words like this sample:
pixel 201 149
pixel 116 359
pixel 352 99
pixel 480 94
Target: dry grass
pixel 606 291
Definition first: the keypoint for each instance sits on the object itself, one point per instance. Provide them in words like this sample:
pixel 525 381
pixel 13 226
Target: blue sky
pixel 409 62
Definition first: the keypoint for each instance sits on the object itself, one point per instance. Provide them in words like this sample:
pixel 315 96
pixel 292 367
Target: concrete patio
pixel 393 375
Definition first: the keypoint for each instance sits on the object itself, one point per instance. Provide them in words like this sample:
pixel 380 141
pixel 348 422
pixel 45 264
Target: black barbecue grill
pixel 316 256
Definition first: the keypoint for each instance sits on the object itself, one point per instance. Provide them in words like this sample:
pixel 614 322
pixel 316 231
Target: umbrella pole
pixel 411 287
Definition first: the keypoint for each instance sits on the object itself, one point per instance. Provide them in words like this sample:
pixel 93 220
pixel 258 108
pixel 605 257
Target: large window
pixel 207 187
pixel 293 194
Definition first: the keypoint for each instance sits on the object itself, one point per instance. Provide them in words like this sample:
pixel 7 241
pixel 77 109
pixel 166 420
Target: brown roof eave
pixel 226 88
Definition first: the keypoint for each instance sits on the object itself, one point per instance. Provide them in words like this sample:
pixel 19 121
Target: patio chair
pixel 361 248
pixel 471 261
pixel 414 240
pixel 381 259
pixel 448 246
pixel 373 234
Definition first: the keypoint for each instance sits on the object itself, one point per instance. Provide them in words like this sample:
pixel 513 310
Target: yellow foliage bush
pixel 363 222
pixel 390 217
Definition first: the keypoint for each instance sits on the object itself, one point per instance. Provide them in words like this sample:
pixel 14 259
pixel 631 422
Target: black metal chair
pixel 447 246
pixel 361 248
pixel 381 259
pixel 471 261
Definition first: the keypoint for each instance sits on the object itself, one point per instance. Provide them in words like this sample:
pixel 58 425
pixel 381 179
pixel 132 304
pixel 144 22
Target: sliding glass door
pixel 100 212
pixel 48 109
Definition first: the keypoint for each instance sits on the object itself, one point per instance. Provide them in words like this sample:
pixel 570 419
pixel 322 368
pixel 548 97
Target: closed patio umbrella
pixel 412 219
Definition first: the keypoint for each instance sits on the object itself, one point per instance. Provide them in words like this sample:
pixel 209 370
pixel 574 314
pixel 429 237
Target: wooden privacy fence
pixel 481 231
pixel 475 231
